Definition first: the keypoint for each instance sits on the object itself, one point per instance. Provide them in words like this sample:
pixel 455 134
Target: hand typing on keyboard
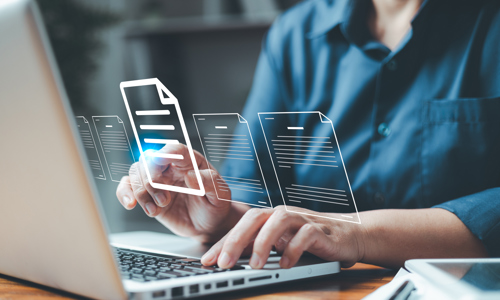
pixel 235 228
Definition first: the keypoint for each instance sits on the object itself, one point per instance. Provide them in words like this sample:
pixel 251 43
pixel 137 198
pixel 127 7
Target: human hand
pixel 291 234
pixel 205 218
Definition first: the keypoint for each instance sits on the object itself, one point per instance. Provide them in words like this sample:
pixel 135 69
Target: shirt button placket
pixel 384 129
pixel 392 65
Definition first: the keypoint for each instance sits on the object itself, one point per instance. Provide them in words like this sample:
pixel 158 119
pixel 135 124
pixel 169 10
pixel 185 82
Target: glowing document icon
pixel 90 147
pixel 115 146
pixel 316 154
pixel 157 121
pixel 220 142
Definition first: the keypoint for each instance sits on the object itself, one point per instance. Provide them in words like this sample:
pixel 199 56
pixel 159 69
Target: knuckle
pixel 281 244
pixel 183 148
pixel 281 214
pixel 147 185
pixel 280 208
pixel 217 247
pixel 309 229
pixel 253 213
pixel 261 241
pixel 259 213
pixel 211 172
pixel 207 174
pixel 234 240
pixel 141 193
pixel 295 248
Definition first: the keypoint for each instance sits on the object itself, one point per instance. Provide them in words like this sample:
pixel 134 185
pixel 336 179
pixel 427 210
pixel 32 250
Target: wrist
pixel 362 236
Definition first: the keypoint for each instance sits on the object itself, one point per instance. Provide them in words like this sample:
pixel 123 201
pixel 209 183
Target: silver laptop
pixel 52 229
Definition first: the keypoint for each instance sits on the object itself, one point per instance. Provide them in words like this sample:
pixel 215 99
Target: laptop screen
pixel 99 44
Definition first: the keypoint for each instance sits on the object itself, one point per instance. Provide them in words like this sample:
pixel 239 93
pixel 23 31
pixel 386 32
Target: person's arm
pixel 385 237
pixel 392 236
pixel 205 218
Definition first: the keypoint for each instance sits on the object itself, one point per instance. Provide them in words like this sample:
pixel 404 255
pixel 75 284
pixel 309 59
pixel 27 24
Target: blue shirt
pixel 418 126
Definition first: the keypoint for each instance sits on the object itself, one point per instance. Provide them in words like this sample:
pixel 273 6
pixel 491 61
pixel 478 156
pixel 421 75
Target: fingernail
pixel 150 208
pixel 255 261
pixel 284 262
pixel 224 260
pixel 127 201
pixel 161 199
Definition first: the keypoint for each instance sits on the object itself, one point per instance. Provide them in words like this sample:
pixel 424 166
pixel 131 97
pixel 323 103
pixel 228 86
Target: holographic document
pixel 158 123
pixel 220 142
pixel 115 145
pixel 317 154
pixel 90 147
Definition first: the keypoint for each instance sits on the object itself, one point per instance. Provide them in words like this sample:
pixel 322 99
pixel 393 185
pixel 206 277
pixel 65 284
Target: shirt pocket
pixel 460 147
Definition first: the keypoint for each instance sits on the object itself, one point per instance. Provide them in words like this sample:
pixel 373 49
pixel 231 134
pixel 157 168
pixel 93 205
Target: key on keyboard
pixel 143 267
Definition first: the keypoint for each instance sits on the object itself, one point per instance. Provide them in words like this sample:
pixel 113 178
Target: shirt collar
pixel 329 14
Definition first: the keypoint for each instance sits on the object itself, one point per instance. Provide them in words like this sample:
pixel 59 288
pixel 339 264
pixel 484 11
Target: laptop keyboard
pixel 144 266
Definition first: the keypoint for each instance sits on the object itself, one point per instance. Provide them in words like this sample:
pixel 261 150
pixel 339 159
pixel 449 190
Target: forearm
pixel 392 236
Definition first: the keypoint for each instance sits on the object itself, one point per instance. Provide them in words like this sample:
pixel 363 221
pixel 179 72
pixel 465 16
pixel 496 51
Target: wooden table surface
pixel 352 283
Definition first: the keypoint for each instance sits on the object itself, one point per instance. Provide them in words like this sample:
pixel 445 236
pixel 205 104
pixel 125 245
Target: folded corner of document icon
pixel 309 148
pixel 227 137
pixel 159 128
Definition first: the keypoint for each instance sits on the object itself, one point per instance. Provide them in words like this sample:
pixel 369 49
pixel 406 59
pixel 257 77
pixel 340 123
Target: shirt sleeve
pixel 266 95
pixel 480 212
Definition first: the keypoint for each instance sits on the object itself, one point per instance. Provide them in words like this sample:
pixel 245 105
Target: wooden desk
pixel 352 283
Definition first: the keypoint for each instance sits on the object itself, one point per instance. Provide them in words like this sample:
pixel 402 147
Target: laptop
pixel 52 228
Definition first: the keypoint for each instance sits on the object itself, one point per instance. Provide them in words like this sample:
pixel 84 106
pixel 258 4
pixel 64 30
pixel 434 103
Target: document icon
pixel 115 145
pixel 157 121
pixel 90 147
pixel 220 142
pixel 311 148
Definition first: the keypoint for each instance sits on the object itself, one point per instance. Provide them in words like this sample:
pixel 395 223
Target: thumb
pixel 209 178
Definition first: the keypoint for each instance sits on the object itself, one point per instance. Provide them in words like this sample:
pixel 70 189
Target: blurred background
pixel 204 51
